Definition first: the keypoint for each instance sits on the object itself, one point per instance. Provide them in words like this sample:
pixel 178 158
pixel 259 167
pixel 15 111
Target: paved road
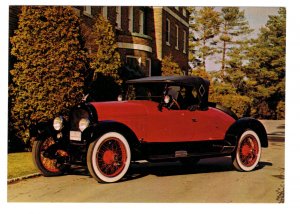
pixel 212 180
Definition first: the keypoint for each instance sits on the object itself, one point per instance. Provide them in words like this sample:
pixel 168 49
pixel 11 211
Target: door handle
pixel 194 119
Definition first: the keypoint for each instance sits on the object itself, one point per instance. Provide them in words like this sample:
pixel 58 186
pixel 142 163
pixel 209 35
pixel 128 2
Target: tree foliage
pixel 48 77
pixel 266 67
pixel 208 25
pixel 107 60
pixel 251 80
pixel 234 27
pixel 169 67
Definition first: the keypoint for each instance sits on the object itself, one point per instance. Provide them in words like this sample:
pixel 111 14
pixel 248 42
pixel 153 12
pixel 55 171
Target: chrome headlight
pixel 58 123
pixel 83 124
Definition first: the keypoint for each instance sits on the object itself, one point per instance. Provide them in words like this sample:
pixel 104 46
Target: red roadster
pixel 161 118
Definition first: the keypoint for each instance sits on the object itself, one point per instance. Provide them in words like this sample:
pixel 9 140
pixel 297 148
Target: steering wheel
pixel 175 104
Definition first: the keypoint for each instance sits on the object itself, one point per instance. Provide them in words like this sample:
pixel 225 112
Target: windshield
pixel 151 92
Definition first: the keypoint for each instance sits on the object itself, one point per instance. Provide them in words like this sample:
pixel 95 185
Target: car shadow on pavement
pixel 211 165
pixel 139 170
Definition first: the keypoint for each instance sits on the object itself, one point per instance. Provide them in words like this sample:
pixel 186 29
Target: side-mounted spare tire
pixel 224 109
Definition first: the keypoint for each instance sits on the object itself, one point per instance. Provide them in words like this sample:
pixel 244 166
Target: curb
pixel 14 180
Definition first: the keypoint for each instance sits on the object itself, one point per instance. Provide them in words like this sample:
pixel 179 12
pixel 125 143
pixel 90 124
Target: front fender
pixel 44 130
pixel 95 131
pixel 241 125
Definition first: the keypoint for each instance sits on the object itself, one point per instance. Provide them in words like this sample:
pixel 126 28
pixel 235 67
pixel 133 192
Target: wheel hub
pixel 109 157
pixel 249 151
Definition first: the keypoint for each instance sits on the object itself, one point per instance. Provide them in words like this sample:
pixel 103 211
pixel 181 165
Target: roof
pixel 178 80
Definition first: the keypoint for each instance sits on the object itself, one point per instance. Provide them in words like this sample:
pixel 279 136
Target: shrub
pixel 48 76
pixel 240 105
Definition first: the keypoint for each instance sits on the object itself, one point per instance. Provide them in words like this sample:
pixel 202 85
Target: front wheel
pixel 48 158
pixel 109 157
pixel 248 151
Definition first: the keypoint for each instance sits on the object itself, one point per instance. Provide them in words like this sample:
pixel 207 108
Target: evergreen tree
pixel 193 41
pixel 48 77
pixel 169 67
pixel 234 28
pixel 107 60
pixel 266 68
pixel 208 25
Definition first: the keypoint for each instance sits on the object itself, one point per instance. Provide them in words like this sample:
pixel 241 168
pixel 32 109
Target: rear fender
pixel 243 124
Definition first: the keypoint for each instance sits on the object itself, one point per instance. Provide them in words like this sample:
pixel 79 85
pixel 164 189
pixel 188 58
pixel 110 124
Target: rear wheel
pixel 48 158
pixel 248 151
pixel 109 157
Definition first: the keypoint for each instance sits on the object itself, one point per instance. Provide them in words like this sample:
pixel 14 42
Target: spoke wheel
pixel 109 157
pixel 48 164
pixel 248 151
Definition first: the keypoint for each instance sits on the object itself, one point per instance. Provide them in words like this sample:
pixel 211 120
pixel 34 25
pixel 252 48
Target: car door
pixel 169 125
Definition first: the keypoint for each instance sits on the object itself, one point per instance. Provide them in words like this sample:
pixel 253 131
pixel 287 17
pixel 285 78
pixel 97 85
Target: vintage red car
pixel 161 118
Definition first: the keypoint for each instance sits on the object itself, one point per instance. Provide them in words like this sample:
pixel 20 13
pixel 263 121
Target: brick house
pixel 144 34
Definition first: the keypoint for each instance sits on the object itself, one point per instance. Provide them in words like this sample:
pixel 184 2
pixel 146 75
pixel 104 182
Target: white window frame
pixel 177 37
pixel 184 42
pixel 104 12
pixel 141 21
pixel 150 65
pixel 118 17
pixel 168 32
pixel 130 19
pixel 184 12
pixel 87 10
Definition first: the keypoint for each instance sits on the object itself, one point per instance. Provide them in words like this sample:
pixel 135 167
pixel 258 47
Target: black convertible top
pixel 178 80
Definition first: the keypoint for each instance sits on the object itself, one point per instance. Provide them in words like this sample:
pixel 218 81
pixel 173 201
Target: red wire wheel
pixel 47 166
pixel 248 151
pixel 109 157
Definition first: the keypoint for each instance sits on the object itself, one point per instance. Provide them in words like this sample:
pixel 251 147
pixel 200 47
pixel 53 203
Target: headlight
pixel 83 124
pixel 58 123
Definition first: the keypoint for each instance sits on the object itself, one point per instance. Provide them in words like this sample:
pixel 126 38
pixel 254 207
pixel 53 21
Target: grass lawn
pixel 20 164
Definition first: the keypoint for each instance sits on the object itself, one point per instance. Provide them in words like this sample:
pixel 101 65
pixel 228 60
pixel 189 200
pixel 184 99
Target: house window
pixel 104 12
pixel 141 22
pixel 130 19
pixel 184 41
pixel 177 37
pixel 87 10
pixel 168 31
pixel 135 63
pixel 118 17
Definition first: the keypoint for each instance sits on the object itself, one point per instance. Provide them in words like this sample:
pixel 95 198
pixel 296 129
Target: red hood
pixel 118 110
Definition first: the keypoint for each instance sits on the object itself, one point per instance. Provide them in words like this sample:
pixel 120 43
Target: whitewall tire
pixel 248 151
pixel 108 158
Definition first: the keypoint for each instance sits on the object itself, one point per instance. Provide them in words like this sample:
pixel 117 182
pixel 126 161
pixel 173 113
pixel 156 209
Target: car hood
pixel 122 109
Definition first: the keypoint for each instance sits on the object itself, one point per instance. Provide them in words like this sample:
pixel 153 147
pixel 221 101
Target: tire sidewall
pixel 93 158
pixel 237 161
